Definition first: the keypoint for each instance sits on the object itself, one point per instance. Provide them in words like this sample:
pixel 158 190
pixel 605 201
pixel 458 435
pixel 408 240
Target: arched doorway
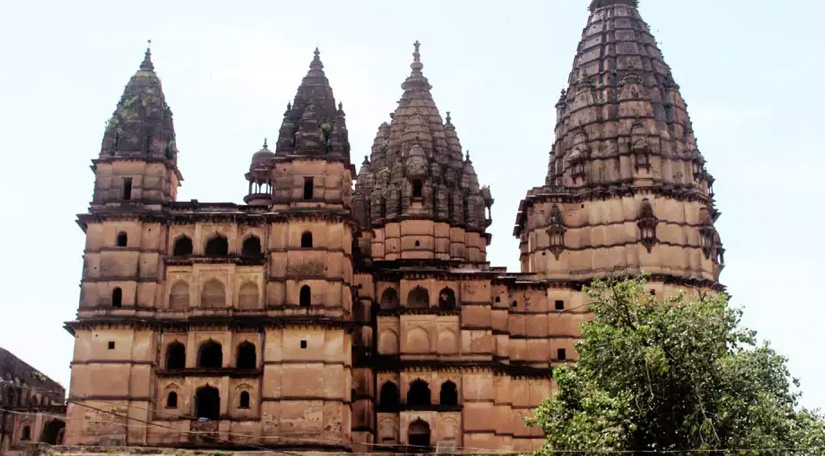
pixel 208 403
pixel 419 394
pixel 53 432
pixel 418 436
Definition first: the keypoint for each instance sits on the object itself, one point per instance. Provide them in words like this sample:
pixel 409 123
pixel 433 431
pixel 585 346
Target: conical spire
pixel 142 123
pixel 312 124
pixel 624 102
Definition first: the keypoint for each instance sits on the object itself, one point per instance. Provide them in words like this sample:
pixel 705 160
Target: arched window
pixel 251 247
pixel 214 294
pixel 176 356
pixel 208 403
pixel 446 299
pixel 183 247
pixel 389 299
pixel 179 296
pixel 117 297
pixel 210 355
pixel 26 433
pixel 309 188
pixel 449 394
pixel 217 246
pixel 419 298
pixel 248 296
pixel 419 394
pixel 246 356
pixel 172 400
pixel 306 296
pixel 306 240
pixel 418 188
pixel 389 396
pixel 122 239
pixel 244 402
pixel 418 436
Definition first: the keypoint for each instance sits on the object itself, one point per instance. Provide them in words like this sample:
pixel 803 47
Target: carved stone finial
pixel 449 119
pixel 316 61
pixel 265 145
pixel 467 157
pixel 417 65
pixel 147 65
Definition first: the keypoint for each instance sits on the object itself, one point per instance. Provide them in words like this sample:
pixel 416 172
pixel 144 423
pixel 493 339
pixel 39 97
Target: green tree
pixel 672 376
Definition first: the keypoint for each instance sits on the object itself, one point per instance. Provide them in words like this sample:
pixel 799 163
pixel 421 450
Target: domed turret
pixel 260 184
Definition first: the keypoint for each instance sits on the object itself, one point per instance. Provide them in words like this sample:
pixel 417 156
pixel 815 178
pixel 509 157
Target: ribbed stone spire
pixel 312 124
pixel 417 158
pixel 142 122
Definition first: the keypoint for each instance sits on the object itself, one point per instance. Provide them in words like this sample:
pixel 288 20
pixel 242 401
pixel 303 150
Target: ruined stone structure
pixel 32 406
pixel 368 319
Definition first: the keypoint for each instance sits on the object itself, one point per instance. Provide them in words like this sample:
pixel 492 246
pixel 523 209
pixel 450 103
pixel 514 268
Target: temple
pixel 322 315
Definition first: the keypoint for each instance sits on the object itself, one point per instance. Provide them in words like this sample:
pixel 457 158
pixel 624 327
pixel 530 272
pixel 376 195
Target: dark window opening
pixel 419 298
pixel 246 356
pixel 244 402
pixel 217 246
pixel 111 345
pixel 561 354
pixel 653 293
pixel 446 299
pixel 449 394
pixel 127 188
pixel 419 394
pixel 172 400
pixel 418 188
pixel 303 344
pixel 417 243
pixel 498 298
pixel 210 355
pixel 389 396
pixel 53 432
pixel 251 247
pixel 306 296
pixel 559 304
pixel 26 434
pixel 208 403
pixel 309 188
pixel 515 304
pixel 176 356
pixel 306 240
pixel 117 297
pixel 418 435
pixel 389 299
pixel 122 239
pixel 183 247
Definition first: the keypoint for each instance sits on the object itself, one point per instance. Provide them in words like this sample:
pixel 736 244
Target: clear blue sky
pixel 749 70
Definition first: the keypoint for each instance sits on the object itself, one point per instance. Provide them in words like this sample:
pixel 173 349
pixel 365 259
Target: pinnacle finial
pixel 467 157
pixel 417 65
pixel 147 65
pixel 449 119
pixel 265 145
pixel 316 61
pixel 366 160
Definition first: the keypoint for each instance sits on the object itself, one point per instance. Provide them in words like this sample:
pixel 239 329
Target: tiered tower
pixel 626 189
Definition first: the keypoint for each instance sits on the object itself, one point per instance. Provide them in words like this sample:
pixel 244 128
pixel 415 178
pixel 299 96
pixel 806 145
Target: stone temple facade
pixel 366 317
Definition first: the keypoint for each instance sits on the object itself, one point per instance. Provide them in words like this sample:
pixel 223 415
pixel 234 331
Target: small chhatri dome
pixel 261 158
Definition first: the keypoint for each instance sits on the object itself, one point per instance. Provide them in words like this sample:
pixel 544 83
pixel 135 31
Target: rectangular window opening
pixel 559 304
pixel 127 188
pixel 309 188
pixel 111 345
pixel 303 344
pixel 561 354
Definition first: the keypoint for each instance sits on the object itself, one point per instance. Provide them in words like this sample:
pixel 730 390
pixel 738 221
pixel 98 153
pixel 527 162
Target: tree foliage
pixel 672 376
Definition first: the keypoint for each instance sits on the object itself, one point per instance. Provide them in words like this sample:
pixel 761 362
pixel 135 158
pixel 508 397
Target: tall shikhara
pixel 626 189
pixel 320 317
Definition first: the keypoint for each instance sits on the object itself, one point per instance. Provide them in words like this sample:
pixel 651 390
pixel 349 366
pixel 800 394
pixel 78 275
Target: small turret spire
pixel 467 157
pixel 147 65
pixel 449 119
pixel 265 145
